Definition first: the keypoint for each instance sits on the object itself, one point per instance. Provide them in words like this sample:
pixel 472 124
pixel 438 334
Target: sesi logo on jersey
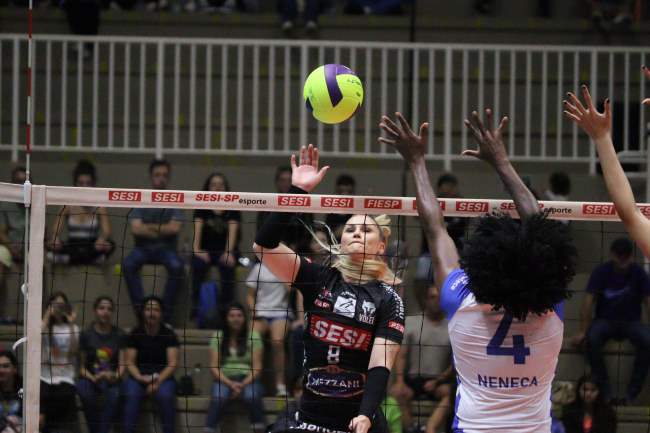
pixel 345 336
pixel 397 326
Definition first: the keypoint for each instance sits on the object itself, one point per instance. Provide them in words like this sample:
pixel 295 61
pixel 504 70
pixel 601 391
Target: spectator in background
pixel 289 13
pixel 216 242
pixel 236 364
pixel 618 288
pixel 156 235
pixel 151 359
pixel 102 367
pixel 60 343
pixel 296 236
pixel 423 366
pixel 559 187
pixel 375 7
pixel 609 14
pixel 268 300
pixel 345 185
pixel 83 18
pixel 446 187
pixel 11 400
pixel 89 228
pixel 590 412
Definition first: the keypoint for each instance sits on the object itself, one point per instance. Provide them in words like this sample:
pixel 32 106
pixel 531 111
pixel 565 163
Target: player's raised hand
pixel 306 174
pixel 409 144
pixel 595 124
pixel 491 147
pixel 646 71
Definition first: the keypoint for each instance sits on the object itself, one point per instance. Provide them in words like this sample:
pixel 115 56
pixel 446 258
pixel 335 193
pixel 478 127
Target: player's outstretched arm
pixel 281 260
pixel 492 150
pixel 598 127
pixel 411 146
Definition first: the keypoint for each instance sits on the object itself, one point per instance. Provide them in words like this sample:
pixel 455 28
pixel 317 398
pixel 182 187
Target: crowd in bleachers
pixel 110 371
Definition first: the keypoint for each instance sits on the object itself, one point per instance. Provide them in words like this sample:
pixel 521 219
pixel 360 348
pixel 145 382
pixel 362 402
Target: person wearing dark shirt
pixel 151 359
pixel 102 367
pixel 589 413
pixel 216 238
pixel 156 234
pixel 345 185
pixel 11 402
pixel 354 321
pixel 295 235
pixel 618 288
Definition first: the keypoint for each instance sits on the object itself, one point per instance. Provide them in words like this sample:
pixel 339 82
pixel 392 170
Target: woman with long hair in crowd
pixel 11 401
pixel 236 365
pixel 354 317
pixel 589 413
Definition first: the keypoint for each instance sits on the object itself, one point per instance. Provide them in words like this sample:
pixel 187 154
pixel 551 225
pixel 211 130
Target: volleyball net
pixel 50 271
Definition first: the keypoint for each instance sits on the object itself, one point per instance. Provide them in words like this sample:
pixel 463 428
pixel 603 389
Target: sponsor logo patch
pixel 216 197
pixel 116 195
pixel 167 197
pixel 397 326
pixel 472 206
pixel 337 334
pixel 367 315
pixel 332 381
pixel 345 304
pixel 598 209
pixel 322 304
pixel 382 203
pixel 337 202
pixel 294 201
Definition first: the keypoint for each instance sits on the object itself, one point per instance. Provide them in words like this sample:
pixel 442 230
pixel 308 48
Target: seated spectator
pixel 216 242
pixel 590 412
pixel 559 187
pixel 151 359
pixel 423 366
pixel 446 187
pixel 236 364
pixel 156 234
pixel 58 366
pixel 102 367
pixel 11 400
pixel 89 229
pixel 345 185
pixel 12 235
pixel 393 415
pixel 268 300
pixel 289 14
pixel 296 236
pixel 618 287
pixel 375 7
pixel 607 14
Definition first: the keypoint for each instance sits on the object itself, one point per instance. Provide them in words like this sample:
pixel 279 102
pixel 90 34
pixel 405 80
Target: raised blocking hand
pixel 491 147
pixel 595 124
pixel 403 139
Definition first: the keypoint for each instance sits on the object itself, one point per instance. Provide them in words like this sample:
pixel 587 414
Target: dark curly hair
pixel 521 266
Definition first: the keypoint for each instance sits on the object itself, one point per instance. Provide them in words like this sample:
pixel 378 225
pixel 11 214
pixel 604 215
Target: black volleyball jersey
pixel 341 322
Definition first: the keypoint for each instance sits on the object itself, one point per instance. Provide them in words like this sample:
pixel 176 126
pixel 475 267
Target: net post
pixel 34 301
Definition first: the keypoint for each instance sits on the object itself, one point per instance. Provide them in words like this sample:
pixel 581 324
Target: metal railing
pixel 175 95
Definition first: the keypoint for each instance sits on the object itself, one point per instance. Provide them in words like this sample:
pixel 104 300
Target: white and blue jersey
pixel 505 367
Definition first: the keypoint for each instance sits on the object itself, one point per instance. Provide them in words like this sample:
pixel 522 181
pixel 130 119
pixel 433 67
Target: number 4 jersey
pixel 505 367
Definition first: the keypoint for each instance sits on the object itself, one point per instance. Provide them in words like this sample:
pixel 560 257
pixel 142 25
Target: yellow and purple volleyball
pixel 333 93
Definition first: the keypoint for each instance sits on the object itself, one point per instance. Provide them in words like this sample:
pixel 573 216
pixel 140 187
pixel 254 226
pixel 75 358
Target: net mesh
pixel 91 249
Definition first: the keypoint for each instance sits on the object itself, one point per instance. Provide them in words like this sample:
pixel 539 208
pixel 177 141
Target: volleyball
pixel 333 93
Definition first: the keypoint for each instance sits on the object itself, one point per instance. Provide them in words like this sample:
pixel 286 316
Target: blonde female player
pixel 503 299
pixel 598 126
pixel 354 320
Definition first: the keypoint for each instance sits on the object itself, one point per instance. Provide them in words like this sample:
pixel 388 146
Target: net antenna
pixel 31 334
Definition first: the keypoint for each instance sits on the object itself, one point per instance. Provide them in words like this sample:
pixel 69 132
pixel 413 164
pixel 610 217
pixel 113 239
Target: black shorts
pixel 293 423
pixel 416 383
pixel 59 406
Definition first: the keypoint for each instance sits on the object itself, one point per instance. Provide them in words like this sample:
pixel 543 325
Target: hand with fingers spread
pixel 411 146
pixel 595 124
pixel 646 72
pixel 306 174
pixel 491 147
